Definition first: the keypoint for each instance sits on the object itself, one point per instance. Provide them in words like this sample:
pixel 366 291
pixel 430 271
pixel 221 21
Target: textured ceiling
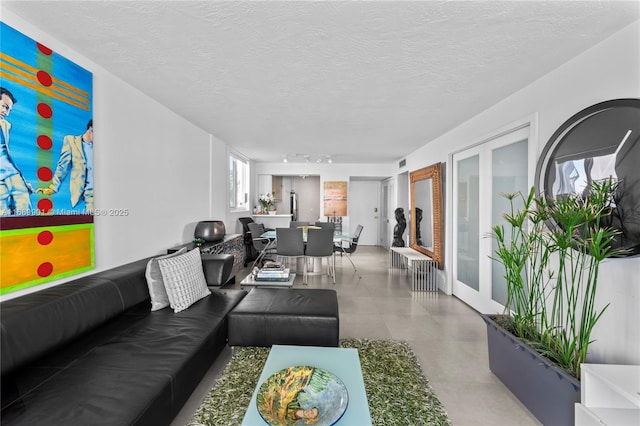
pixel 362 81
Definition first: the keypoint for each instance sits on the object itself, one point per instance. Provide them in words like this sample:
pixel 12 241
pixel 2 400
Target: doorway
pixel 307 196
pixel 364 209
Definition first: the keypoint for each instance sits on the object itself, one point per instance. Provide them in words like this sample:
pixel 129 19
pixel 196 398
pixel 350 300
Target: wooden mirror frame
pixel 433 172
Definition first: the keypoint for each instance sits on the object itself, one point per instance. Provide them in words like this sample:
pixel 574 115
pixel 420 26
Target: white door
pixel 480 175
pixel 364 209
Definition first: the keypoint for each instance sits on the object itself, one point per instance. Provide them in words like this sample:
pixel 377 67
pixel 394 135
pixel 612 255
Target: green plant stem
pixel 553 306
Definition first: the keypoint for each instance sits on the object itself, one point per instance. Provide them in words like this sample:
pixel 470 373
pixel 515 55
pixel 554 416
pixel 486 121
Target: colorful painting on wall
pixel 335 198
pixel 46 164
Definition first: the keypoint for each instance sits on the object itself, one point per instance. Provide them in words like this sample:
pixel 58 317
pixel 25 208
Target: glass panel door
pixel 509 175
pixel 480 175
pixel 468 222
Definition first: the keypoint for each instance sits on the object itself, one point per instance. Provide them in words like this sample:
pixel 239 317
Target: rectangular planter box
pixel 546 390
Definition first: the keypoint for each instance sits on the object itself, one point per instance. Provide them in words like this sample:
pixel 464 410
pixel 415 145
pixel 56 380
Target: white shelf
pixel 610 395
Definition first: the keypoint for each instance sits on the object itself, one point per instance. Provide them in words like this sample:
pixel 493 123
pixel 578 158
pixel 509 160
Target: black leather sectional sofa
pixel 91 352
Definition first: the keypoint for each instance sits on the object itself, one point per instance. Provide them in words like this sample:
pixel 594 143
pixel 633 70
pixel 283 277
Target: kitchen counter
pixel 272 220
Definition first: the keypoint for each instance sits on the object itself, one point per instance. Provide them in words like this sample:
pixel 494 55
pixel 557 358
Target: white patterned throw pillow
pixel 158 294
pixel 183 279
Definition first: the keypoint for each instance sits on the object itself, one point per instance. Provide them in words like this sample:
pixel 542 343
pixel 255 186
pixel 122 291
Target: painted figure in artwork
pixel 14 189
pixel 310 416
pixel 76 156
pixel 43 97
pixel 398 230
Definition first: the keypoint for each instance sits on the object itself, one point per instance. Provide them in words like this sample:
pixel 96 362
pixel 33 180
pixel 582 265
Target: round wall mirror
pixel 599 142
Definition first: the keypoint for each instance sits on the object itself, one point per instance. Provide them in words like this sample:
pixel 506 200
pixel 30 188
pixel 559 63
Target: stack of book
pixel 273 271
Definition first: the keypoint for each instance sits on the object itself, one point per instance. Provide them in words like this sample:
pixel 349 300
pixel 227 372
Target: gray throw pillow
pixel 158 294
pixel 183 279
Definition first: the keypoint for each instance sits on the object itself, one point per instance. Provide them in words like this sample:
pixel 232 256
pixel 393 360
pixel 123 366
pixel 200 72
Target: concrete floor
pixel 448 337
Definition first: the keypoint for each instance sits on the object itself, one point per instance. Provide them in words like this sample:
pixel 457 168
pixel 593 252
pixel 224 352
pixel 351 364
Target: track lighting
pixel 318 158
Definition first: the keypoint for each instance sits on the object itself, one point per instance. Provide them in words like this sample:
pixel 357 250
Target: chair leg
pixel 261 255
pixel 353 264
pixel 258 259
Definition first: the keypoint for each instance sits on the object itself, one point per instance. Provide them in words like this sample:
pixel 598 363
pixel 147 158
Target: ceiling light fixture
pixel 317 158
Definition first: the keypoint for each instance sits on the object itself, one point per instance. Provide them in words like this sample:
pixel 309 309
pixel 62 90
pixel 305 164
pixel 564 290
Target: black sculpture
pixel 418 220
pixel 398 230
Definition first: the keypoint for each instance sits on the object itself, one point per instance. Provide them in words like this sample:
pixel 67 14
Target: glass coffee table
pixel 341 362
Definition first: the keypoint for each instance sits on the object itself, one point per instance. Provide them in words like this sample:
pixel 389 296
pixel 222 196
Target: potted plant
pixel 551 251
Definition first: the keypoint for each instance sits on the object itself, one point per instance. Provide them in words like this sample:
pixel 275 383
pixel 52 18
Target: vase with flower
pixel 266 201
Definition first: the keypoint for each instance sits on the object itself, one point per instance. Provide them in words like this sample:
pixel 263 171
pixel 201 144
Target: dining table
pixel 338 238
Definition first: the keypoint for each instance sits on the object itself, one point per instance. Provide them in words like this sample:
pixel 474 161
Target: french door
pixel 503 164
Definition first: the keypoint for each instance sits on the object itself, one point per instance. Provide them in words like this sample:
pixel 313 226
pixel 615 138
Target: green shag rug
pixel 397 391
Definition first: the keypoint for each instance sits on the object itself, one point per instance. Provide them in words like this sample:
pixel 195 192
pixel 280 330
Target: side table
pixel 230 244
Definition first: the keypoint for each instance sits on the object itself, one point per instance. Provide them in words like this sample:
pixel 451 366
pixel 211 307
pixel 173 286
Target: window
pixel 238 183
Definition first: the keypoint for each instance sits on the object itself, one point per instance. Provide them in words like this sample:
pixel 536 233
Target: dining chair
pixel 250 252
pixel 291 244
pixel 297 223
pixel 326 225
pixel 319 245
pixel 265 247
pixel 353 245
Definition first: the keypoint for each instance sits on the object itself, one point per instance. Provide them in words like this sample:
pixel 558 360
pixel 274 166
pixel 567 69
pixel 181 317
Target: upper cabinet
pixel 264 184
pixel 268 184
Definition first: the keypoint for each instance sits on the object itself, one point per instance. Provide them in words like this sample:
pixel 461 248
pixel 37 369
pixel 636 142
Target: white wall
pixel 609 70
pixel 147 160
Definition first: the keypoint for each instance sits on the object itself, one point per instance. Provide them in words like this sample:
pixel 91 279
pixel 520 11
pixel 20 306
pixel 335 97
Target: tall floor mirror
pixel 426 212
